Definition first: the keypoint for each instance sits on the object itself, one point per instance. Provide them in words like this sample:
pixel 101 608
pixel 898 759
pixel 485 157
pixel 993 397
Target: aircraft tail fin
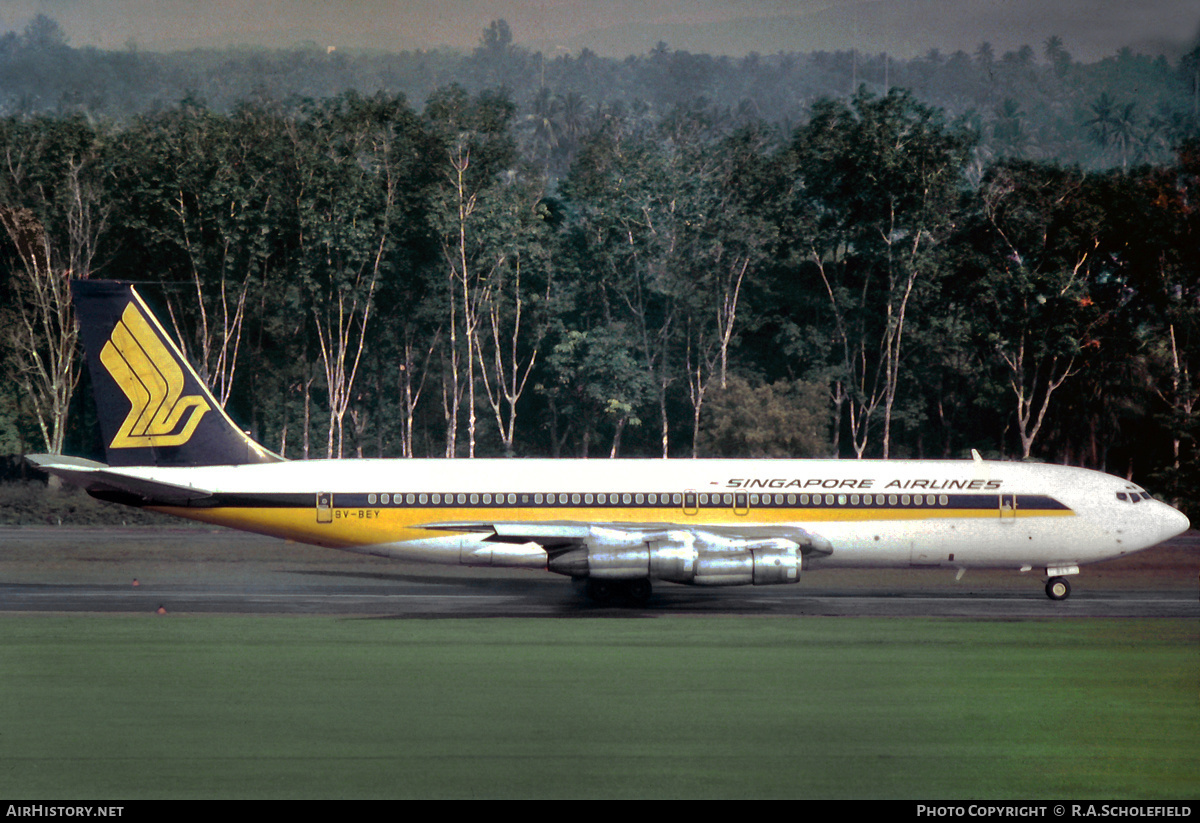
pixel 153 408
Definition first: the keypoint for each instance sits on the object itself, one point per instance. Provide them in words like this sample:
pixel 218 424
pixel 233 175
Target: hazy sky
pixel 1091 29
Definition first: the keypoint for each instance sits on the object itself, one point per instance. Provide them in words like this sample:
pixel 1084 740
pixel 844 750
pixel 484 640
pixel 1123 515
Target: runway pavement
pixel 182 572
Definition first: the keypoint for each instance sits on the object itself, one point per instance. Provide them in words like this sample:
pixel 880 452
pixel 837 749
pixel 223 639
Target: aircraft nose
pixel 1176 522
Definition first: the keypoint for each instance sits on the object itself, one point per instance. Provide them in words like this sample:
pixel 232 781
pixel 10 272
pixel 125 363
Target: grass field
pixel 250 707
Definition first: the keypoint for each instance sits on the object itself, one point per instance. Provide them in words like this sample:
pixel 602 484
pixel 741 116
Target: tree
pixel 51 207
pixel 1010 130
pixel 876 183
pixel 475 232
pixel 771 421
pixel 625 192
pixel 43 33
pixel 1151 225
pixel 1057 54
pixel 198 193
pixel 510 350
pixel 597 376
pixel 725 245
pixel 44 335
pixel 363 158
pixel 1037 235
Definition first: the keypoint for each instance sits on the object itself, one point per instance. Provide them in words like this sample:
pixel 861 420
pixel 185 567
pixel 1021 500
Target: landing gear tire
pixel 601 591
pixel 618 592
pixel 1057 588
pixel 638 591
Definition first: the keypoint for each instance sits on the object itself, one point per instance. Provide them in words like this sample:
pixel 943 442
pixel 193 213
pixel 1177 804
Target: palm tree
pixel 1009 129
pixel 1125 131
pixel 1103 121
pixel 1056 54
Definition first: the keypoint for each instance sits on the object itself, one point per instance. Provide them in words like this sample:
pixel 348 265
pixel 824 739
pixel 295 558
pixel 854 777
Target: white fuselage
pixel 956 514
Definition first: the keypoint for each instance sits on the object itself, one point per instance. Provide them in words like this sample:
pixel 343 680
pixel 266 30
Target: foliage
pixel 32 503
pixel 1053 112
pixel 661 278
pixel 774 420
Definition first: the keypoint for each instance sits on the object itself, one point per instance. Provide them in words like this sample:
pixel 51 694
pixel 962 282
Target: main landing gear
pixel 619 592
pixel 1057 588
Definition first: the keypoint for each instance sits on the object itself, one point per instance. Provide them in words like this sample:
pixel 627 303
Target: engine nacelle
pixel 764 562
pixel 682 557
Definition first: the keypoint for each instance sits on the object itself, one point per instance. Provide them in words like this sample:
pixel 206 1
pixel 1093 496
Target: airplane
pixel 619 526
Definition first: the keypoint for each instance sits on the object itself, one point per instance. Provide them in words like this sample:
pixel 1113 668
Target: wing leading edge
pixel 714 555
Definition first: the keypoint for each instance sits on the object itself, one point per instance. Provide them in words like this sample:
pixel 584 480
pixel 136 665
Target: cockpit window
pixel 1134 497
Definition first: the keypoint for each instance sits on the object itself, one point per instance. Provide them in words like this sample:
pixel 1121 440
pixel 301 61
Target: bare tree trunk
pixel 412 388
pixel 894 335
pixel 45 335
pixel 511 376
pixel 218 347
pixel 863 396
pixel 707 362
pixel 1031 413
pixel 335 337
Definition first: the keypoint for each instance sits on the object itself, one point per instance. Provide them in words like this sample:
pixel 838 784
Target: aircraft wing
pixel 563 535
pixel 102 481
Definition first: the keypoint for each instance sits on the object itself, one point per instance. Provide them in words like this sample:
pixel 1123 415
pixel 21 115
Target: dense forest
pixel 673 255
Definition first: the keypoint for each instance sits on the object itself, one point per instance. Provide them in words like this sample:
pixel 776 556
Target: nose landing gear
pixel 1057 588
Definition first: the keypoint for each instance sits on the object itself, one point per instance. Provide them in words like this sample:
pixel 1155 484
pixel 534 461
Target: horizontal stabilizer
pixel 101 480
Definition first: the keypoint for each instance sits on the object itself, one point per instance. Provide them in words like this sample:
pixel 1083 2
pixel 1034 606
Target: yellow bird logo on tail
pixel 151 378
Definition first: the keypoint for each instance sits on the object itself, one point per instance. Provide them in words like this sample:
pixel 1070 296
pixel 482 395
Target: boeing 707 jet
pixel 619 525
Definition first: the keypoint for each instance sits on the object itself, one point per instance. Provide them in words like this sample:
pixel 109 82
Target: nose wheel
pixel 1057 588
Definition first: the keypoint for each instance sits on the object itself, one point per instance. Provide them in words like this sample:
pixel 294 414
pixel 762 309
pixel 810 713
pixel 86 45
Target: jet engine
pixel 697 558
